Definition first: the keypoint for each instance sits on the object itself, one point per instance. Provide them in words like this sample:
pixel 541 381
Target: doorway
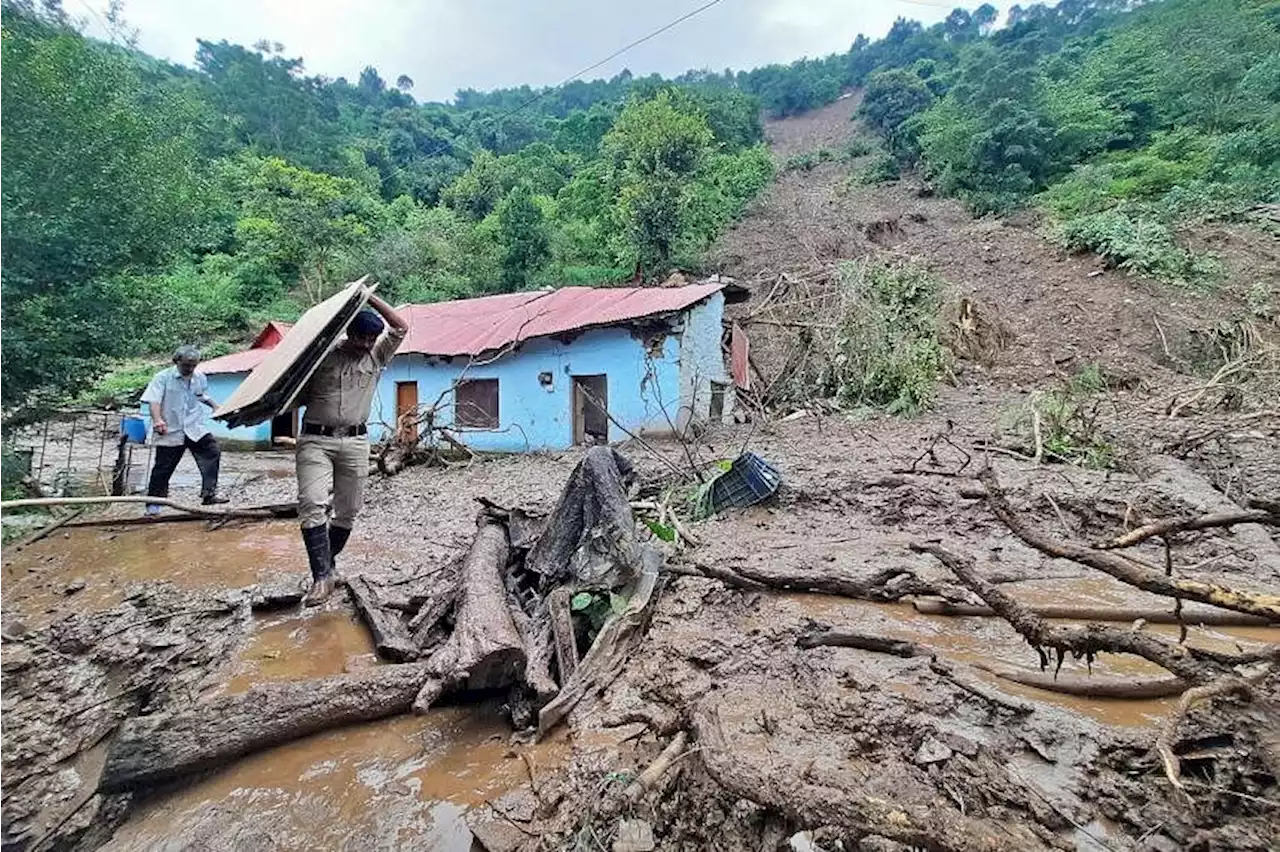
pixel 590 407
pixel 407 412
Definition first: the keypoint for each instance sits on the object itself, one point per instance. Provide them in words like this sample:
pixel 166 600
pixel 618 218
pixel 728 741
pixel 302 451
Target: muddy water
pixel 401 783
pixel 44 581
pixel 992 641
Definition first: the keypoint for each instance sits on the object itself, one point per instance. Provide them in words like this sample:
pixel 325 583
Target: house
pixel 550 369
pixel 228 371
pixel 537 370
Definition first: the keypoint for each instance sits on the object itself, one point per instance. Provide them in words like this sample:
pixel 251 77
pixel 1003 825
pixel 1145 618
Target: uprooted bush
pixel 883 350
pixel 1062 424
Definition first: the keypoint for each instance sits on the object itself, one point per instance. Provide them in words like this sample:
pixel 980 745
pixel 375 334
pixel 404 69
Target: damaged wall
pixel 702 365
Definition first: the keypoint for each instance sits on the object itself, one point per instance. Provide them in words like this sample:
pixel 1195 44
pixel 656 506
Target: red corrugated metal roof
pixel 476 326
pixel 243 362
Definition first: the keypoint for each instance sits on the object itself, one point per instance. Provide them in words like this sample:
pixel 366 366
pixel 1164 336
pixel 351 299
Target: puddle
pixel 36 578
pixel 301 646
pixel 399 784
pixel 991 640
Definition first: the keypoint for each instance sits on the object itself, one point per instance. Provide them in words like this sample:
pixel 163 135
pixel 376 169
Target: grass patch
pixel 808 160
pixel 883 168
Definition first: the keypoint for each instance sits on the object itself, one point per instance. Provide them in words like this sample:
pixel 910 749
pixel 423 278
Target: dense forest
pixel 147 203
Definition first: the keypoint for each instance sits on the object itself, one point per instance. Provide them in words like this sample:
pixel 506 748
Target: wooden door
pixel 407 412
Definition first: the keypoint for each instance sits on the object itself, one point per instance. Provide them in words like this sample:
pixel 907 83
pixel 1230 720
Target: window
pixel 475 404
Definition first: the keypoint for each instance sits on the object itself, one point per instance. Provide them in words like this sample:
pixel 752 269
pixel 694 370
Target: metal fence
pixel 82 453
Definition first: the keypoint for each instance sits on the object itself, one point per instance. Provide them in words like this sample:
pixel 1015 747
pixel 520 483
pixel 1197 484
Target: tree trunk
pixel 152 749
pixel 1126 570
pixel 389 635
pixel 1089 686
pixel 485 649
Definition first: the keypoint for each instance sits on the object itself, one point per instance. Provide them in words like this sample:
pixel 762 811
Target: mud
pixel 1076 773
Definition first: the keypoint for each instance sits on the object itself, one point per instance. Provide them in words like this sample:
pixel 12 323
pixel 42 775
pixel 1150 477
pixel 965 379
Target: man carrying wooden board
pixel 333 447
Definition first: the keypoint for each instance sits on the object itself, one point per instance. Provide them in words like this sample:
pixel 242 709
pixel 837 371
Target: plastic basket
pixel 749 480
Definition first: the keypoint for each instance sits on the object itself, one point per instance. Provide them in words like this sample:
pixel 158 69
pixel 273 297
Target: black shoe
pixel 317 541
pixel 211 499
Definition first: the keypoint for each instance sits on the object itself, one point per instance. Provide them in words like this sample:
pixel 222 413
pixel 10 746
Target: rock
pixel 75 586
pixel 13 630
pixel 162 640
pixel 634 835
pixel 960 744
pixel 497 836
pixel 15 658
pixel 932 751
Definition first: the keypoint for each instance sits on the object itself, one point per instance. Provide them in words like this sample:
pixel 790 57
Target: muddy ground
pixel 783 738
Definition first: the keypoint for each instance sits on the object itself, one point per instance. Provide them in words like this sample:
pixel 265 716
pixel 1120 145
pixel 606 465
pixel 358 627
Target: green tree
pixel 523 234
pixel 100 176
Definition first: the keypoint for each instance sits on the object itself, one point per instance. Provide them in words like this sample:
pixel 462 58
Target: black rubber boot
pixel 337 541
pixel 317 541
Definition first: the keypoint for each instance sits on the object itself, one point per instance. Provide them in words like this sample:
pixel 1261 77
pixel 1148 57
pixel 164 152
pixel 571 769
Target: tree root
pixel 934 606
pixel 1127 570
pixel 1169 731
pixel 1170 526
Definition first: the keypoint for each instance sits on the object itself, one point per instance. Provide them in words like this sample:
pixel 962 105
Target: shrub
pixel 1062 424
pixel 858 146
pixel 1139 244
pixel 807 160
pixel 883 168
pixel 884 351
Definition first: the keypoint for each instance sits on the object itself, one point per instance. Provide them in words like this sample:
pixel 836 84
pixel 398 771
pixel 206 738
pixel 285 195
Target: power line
pixel 612 56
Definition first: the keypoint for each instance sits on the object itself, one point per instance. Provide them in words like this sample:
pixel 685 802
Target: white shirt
pixel 180 405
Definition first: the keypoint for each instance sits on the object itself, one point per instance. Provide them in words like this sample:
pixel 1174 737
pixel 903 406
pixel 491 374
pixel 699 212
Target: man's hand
pixel 160 427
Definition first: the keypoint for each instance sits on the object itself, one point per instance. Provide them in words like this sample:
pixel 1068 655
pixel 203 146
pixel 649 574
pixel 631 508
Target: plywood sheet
pixel 276 382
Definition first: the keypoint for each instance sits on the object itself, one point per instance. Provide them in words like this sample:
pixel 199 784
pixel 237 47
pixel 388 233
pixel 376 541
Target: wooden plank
pixel 275 383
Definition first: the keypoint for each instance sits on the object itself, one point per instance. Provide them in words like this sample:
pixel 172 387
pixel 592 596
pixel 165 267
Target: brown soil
pixel 804 731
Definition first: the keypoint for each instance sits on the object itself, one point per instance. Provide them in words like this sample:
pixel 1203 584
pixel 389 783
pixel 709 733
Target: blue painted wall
pixel 533 416
pixel 657 382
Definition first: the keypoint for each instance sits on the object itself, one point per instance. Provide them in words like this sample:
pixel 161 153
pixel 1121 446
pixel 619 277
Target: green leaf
pixel 618 603
pixel 662 531
pixel 581 601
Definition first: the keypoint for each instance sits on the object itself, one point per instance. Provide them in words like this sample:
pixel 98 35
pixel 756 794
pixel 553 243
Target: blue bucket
pixel 135 429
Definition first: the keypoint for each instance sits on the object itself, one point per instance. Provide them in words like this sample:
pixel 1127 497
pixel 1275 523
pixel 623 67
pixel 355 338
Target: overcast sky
pixel 445 45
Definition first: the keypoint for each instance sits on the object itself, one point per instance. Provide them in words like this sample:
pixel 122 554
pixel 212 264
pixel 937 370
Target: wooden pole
pixel 251 512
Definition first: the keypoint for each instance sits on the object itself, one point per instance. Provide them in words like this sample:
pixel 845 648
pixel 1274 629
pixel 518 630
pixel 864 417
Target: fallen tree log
pixel 152 749
pixel 885 586
pixel 389 635
pixel 1124 569
pixel 1220 618
pixel 783 787
pixel 1080 641
pixel 1090 687
pixel 434 609
pixel 836 638
pixel 485 650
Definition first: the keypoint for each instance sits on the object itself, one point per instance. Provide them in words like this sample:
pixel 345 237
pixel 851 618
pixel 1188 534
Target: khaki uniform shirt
pixel 340 391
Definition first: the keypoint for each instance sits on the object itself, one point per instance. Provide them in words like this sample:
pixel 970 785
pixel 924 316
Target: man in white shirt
pixel 175 396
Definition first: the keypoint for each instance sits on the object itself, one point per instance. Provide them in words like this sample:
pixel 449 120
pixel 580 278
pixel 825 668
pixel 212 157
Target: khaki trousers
pixel 331 466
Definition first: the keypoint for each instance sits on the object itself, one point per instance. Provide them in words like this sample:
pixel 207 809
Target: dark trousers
pixel 208 456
